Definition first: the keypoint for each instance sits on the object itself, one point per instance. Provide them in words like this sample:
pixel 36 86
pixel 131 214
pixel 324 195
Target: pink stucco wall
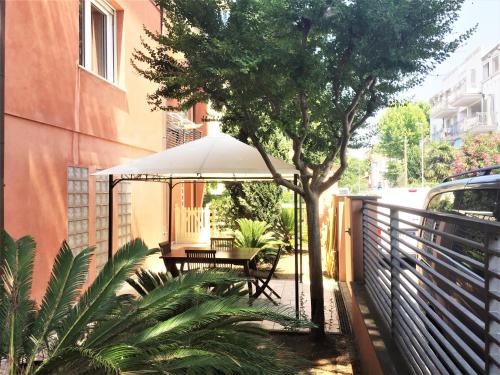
pixel 58 114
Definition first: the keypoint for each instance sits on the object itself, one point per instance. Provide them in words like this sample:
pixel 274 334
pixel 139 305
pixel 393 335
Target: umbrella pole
pixel 110 216
pixel 170 188
pixel 296 240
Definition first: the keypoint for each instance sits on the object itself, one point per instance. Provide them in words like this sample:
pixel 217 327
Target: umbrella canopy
pixel 218 156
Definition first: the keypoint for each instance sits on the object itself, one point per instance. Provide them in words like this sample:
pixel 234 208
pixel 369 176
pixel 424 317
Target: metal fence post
pixel 394 219
pixel 492 303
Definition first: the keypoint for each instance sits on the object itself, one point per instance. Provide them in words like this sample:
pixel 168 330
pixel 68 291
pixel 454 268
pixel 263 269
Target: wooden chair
pixel 222 243
pixel 200 259
pixel 264 277
pixel 165 249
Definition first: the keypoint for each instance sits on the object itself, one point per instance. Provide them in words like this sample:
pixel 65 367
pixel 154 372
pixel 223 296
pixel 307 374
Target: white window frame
pixel 110 14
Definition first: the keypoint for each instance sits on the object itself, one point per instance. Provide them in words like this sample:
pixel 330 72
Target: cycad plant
pixel 257 234
pixel 285 228
pixel 197 323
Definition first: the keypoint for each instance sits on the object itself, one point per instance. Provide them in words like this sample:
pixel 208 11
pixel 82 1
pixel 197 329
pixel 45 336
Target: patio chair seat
pixel 260 274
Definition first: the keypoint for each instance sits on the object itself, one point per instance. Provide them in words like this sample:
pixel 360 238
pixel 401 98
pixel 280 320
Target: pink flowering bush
pixel 477 152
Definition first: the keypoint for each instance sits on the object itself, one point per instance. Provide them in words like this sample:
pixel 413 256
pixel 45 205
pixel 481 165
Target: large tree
pixel 311 70
pixel 401 129
pixel 439 161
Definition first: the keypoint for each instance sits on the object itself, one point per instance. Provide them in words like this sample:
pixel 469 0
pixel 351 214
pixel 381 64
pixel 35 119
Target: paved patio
pixel 284 284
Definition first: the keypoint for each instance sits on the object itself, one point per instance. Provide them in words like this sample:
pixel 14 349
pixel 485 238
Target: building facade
pixel 469 100
pixel 75 105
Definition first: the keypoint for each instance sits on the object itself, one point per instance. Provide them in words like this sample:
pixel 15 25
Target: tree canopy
pixel 408 121
pixel 438 161
pixel 314 70
pixel 311 70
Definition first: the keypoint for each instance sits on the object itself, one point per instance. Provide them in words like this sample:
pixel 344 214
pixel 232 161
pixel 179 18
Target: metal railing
pixel 435 280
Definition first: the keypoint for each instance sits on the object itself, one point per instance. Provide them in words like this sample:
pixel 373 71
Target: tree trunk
pixel 315 267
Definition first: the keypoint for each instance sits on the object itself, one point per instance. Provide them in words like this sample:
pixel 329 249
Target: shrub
pixel 257 234
pixel 196 323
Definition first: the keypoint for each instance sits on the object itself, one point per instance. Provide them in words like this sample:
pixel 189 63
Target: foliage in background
pixel 439 157
pixel 285 228
pixel 356 175
pixel 257 234
pixel 477 152
pixel 252 200
pixel 313 71
pixel 195 324
pixel 394 173
pixel 398 122
pixel 411 122
pixel 256 201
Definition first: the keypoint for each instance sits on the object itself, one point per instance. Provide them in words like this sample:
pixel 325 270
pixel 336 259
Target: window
pixel 442 203
pixel 480 204
pixel 486 70
pixel 101 221
pixel 78 208
pixel 97 38
pixel 176 137
pixel 496 65
pixel 124 212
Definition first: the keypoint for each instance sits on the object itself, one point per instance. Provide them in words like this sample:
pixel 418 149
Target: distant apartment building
pixel 74 105
pixel 469 100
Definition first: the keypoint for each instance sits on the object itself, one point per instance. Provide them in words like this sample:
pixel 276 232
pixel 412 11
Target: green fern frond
pixel 69 273
pixel 94 300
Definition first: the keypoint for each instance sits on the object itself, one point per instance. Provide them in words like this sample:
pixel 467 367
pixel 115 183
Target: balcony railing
pixel 437 292
pixel 480 121
pixel 440 107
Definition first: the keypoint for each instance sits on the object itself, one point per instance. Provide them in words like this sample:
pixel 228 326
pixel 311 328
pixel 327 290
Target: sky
pixel 485 13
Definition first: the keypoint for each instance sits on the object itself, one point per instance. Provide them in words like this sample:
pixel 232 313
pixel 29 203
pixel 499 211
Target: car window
pixel 480 204
pixel 447 202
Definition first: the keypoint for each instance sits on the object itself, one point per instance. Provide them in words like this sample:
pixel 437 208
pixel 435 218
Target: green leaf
pixel 95 299
pixel 16 272
pixel 69 273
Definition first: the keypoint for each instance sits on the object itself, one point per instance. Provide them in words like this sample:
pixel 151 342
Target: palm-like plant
pixel 171 325
pixel 285 228
pixel 257 234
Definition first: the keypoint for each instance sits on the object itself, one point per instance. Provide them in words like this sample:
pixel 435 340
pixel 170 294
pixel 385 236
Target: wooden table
pixel 238 256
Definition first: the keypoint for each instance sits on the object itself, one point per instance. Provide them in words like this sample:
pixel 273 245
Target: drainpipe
pixel 2 118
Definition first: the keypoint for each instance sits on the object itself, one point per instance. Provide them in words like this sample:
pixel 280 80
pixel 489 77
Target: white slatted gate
pixel 192 224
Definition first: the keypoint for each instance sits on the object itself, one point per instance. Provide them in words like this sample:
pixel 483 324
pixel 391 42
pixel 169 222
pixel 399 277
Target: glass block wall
pixel 124 212
pixel 78 208
pixel 101 221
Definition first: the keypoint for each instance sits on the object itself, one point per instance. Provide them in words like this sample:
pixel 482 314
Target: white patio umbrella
pixel 214 157
pixel 218 156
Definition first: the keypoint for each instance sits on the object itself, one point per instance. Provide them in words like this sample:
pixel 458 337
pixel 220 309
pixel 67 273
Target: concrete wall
pixel 58 114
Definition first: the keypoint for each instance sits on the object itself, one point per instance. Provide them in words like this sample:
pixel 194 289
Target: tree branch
pixel 276 175
pixel 298 142
pixel 367 83
pixel 347 129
